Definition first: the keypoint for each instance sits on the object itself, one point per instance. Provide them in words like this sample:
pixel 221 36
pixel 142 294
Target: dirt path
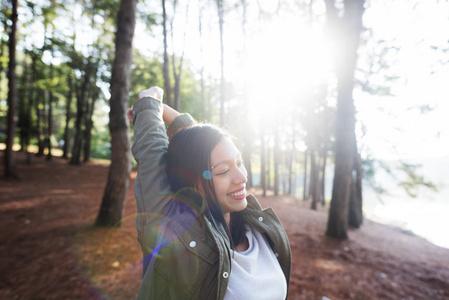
pixel 49 249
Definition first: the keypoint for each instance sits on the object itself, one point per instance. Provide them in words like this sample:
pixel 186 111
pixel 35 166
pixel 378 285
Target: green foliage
pixel 370 167
pixel 100 143
pixel 406 174
pixel 147 16
pixel 414 180
pixel 146 72
pixel 190 94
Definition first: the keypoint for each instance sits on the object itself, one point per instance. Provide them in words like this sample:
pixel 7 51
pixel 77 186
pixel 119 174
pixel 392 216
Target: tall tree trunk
pixel 114 198
pixel 89 126
pixel 177 87
pixel 39 122
pixel 50 116
pixel 22 122
pixel 31 99
pixel 290 156
pixel 220 9
pixel 314 179
pixel 10 158
pixel 323 175
pixel 166 71
pixel 263 180
pixel 268 163
pixel 209 99
pixel 305 191
pixel 2 42
pixel 40 141
pixel 349 27
pixel 177 71
pixel 202 88
pixel 68 116
pixel 355 217
pixel 80 106
pixel 276 160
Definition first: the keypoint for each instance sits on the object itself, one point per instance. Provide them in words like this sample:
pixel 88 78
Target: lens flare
pixel 207 174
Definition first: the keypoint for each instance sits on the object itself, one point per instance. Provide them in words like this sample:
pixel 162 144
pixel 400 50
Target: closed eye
pixel 222 173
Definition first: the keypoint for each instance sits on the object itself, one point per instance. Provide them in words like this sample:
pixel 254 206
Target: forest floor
pixel 50 250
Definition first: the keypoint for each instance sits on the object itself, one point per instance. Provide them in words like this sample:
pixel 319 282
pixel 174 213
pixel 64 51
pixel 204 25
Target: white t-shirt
pixel 256 273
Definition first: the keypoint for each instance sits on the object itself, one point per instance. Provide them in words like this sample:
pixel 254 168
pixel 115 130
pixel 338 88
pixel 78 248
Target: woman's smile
pixel 239 194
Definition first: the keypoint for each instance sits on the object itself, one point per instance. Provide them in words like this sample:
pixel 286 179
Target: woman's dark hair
pixel 188 157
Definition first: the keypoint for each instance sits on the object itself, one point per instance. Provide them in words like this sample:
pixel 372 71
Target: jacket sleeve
pixel 151 188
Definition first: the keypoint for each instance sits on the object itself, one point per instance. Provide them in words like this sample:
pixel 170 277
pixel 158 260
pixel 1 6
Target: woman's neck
pixel 227 217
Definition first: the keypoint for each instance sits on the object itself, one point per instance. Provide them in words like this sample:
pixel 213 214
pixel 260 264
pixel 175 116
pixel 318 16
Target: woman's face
pixel 229 177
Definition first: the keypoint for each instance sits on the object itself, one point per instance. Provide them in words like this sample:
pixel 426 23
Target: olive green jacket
pixel 186 254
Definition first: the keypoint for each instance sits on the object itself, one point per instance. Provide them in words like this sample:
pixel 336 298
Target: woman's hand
pixel 153 92
pixel 168 113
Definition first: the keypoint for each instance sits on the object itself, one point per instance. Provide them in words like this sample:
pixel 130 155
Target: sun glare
pixel 284 61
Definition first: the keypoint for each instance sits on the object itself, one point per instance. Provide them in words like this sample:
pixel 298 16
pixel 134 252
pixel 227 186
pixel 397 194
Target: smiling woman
pixel 202 236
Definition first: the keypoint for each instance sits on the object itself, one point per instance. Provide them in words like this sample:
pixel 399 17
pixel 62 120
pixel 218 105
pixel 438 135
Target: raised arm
pixel 151 188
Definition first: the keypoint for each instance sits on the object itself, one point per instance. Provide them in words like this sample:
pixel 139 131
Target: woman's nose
pixel 240 175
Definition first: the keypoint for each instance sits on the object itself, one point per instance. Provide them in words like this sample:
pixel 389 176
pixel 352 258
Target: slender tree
pixel 166 66
pixel 291 153
pixel 347 26
pixel 95 93
pixel 202 87
pixel 177 67
pixel 10 159
pixel 276 156
pixel 2 43
pixel 305 192
pixel 355 217
pixel 314 178
pixel 263 161
pixel 39 102
pixel 22 123
pixel 80 111
pixel 268 161
pixel 220 10
pixel 68 115
pixel 114 198
pixel 50 114
pixel 323 173
pixel 29 107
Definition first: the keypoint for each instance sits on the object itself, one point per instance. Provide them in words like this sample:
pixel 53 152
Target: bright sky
pixel 423 81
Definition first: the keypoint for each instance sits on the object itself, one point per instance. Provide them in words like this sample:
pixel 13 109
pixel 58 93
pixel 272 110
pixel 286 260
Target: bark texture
pixel 346 30
pixel 68 116
pixel 355 218
pixel 80 111
pixel 112 204
pixel 10 158
pixel 166 71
